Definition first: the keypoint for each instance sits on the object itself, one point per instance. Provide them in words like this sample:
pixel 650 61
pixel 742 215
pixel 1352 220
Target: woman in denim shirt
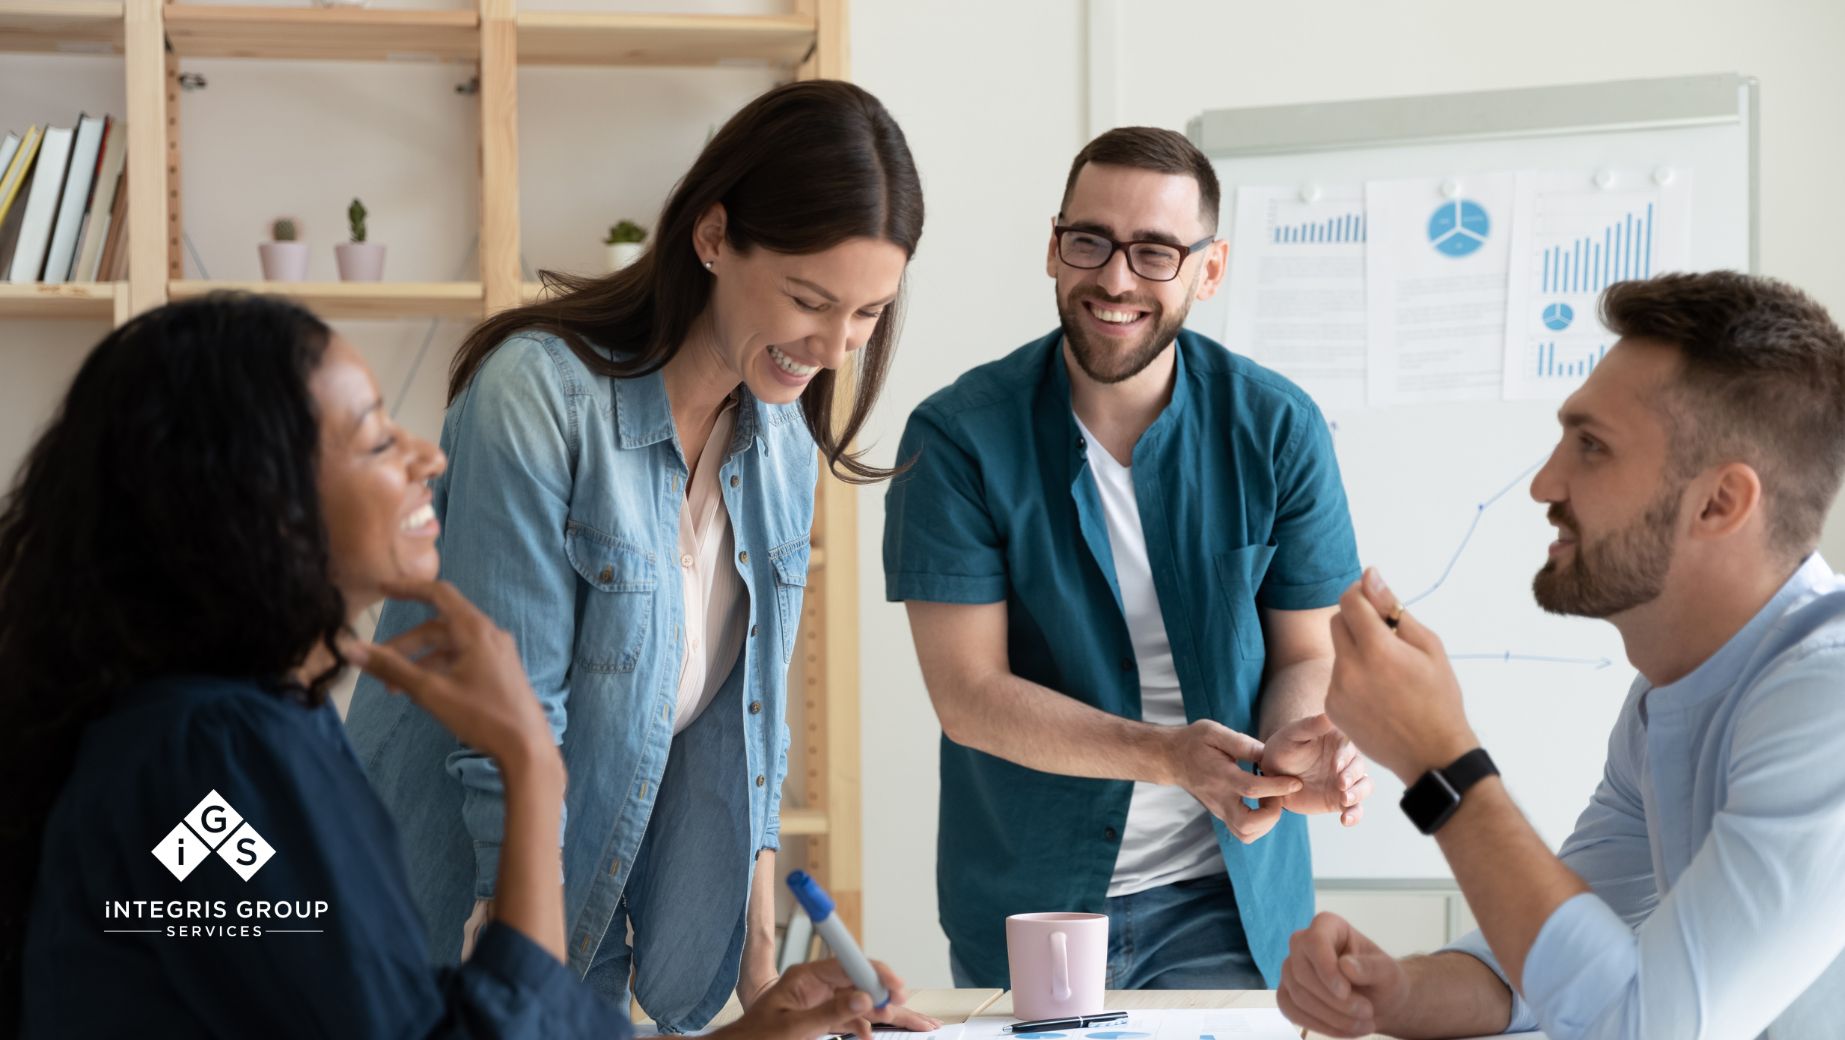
pixel 630 494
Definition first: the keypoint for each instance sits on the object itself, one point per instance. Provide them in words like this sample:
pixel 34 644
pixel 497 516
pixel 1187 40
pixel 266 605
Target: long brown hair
pixel 800 169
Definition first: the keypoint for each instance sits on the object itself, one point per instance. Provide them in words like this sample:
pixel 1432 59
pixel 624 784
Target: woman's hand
pixel 464 670
pixel 812 1000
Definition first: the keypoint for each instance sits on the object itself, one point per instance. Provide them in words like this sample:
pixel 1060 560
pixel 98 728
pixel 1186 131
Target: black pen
pixel 1079 1022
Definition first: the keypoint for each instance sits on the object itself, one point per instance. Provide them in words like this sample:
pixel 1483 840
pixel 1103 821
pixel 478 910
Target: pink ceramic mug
pixel 1059 963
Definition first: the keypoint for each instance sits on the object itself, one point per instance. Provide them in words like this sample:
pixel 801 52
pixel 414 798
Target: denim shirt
pixel 1243 510
pixel 560 519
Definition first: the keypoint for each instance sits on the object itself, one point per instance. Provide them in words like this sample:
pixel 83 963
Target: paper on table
pixel 1573 239
pixel 1296 293
pixel 1211 1024
pixel 1225 1024
pixel 1436 267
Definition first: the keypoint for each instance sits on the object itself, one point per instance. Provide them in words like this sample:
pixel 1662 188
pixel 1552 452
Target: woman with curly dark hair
pixel 180 558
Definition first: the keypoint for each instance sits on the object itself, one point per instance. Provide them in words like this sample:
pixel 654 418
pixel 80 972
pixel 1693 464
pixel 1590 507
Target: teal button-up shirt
pixel 1242 508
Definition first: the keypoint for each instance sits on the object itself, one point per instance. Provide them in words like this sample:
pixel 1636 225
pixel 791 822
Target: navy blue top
pixel 321 939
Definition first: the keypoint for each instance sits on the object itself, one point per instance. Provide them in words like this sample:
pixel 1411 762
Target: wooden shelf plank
pixel 60 27
pixel 376 300
pixel 331 34
pixel 803 821
pixel 94 301
pixel 547 38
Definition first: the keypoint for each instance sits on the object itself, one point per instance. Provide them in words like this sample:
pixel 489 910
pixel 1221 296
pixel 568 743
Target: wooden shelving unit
pixel 460 300
pixel 685 40
pixel 154 36
pixel 93 301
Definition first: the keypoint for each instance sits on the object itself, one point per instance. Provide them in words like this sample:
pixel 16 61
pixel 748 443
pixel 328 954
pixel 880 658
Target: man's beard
pixel 1112 362
pixel 1619 572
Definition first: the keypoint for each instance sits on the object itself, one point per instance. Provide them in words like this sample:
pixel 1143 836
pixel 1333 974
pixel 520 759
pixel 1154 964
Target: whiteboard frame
pixel 1582 108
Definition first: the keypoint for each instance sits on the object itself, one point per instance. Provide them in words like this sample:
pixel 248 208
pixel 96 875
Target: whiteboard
pixel 1439 493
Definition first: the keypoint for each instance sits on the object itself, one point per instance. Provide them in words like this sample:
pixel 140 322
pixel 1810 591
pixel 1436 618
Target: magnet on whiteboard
pixel 1604 179
pixel 1450 188
pixel 1664 175
pixel 1309 192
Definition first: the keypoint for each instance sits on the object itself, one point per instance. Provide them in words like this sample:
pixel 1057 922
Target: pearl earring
pixel 708 264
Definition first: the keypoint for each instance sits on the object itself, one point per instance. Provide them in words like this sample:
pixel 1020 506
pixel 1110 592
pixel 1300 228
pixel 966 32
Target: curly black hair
pixel 166 522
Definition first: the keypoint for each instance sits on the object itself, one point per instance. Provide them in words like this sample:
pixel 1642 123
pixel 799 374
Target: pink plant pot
pixel 359 261
pixel 284 261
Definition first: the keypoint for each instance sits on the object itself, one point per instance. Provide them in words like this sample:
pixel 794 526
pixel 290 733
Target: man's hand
pixel 1336 981
pixel 1202 758
pixel 1394 692
pixel 1314 751
pixel 812 1000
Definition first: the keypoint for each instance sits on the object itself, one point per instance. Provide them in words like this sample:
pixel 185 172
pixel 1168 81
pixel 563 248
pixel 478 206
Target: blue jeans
pixel 1182 936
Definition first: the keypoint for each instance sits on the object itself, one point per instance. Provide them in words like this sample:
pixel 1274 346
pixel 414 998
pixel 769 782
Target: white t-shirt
pixel 1168 837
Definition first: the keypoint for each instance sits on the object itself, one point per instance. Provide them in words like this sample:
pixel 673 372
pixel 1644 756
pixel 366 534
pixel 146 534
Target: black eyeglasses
pixel 1154 261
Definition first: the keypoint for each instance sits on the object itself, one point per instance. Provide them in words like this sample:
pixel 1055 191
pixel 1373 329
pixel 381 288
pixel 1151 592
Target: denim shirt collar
pixel 644 416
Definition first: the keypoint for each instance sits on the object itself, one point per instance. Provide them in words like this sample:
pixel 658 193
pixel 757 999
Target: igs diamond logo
pixel 213 827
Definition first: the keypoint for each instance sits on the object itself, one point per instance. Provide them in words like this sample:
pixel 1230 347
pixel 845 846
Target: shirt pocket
pixel 1239 575
pixel 790 562
pixel 616 607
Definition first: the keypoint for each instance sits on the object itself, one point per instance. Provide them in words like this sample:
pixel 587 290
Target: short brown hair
pixel 1763 383
pixel 1151 148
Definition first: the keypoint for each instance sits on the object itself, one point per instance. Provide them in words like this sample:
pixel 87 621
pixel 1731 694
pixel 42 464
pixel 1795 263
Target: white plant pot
pixel 359 261
pixel 284 261
pixel 621 254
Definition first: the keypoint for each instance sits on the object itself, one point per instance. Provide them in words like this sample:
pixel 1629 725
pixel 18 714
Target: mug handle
pixel 1060 966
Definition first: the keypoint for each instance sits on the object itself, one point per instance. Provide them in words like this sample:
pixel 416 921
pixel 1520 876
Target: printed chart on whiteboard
pixel 1445 289
pixel 1297 286
pixel 1582 237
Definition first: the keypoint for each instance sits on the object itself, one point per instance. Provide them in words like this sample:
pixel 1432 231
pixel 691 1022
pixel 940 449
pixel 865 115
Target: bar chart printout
pixel 1296 293
pixel 1580 239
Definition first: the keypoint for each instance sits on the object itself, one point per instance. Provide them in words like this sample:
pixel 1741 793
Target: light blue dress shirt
pixel 1714 846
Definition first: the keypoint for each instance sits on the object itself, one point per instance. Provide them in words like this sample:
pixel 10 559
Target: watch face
pixel 1429 802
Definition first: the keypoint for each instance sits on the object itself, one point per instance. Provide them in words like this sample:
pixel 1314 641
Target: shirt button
pixel 761 780
pixel 1127 664
pixel 752 631
pixel 744 556
pixel 1109 833
pixel 734 481
pixel 607 575
pixel 685 560
pixel 755 707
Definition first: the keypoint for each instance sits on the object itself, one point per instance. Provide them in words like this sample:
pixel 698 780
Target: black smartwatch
pixel 1431 800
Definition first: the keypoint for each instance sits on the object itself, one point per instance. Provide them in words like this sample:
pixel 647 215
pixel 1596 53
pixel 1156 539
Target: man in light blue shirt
pixel 1703 891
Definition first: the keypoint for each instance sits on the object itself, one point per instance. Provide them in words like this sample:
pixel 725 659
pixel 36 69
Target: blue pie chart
pixel 1459 228
pixel 1558 316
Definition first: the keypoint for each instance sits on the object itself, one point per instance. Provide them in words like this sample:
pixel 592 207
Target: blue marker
pixel 819 907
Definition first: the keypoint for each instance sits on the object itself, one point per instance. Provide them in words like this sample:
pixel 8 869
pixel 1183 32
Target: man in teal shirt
pixel 1119 546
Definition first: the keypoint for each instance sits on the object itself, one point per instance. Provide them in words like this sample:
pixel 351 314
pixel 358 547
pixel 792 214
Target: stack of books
pixel 63 202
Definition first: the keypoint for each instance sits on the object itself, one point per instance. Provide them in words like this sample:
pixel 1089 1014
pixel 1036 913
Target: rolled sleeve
pixel 1316 554
pixel 512 987
pixel 940 542
pixel 1473 944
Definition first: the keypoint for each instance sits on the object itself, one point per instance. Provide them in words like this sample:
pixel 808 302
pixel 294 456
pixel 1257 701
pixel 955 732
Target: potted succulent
pixel 284 258
pixel 359 260
pixel 624 243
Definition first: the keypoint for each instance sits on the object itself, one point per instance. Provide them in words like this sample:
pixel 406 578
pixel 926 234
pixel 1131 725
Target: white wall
pixel 985 93
pixel 992 98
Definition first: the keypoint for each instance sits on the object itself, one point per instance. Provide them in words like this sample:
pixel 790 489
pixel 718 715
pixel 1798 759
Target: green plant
pixel 626 231
pixel 284 230
pixel 355 213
